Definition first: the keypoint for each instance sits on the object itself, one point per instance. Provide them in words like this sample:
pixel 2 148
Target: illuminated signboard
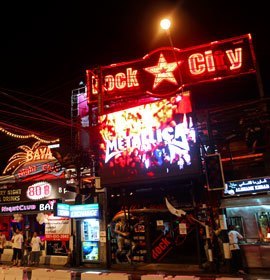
pixel 254 185
pixel 77 211
pixel 62 210
pixel 165 71
pixel 83 109
pixel 36 162
pixel 151 141
pixel 84 211
pixel 30 191
pixel 40 206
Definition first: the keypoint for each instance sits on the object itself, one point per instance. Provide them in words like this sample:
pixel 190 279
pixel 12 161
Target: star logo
pixel 163 71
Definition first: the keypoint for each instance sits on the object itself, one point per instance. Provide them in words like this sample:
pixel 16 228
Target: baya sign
pixel 36 162
pixel 166 70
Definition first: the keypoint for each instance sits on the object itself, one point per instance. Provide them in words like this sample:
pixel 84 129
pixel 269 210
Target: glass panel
pixel 263 224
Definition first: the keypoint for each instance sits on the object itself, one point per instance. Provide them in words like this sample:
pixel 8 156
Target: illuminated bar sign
pixel 84 211
pixel 32 191
pixel 166 70
pixel 254 185
pixel 38 206
pixel 34 163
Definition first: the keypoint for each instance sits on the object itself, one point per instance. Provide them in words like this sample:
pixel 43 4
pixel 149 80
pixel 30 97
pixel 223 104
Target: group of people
pixel 237 266
pixel 26 251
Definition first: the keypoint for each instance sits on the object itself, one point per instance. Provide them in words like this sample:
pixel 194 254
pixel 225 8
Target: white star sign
pixel 163 71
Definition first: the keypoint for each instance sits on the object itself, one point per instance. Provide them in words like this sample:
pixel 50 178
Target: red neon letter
pixel 235 58
pixel 210 61
pixel 109 81
pixel 120 80
pixel 132 78
pixel 94 85
pixel 196 64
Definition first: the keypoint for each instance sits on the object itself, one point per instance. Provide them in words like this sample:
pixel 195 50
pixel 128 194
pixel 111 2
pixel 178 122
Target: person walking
pixel 17 245
pixel 35 253
pixel 236 260
pixel 26 252
pixel 2 245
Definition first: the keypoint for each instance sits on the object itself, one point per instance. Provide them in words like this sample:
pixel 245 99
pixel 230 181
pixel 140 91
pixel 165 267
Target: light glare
pixel 165 24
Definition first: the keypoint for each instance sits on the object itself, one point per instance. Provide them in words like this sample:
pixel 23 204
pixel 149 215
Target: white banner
pixel 58 226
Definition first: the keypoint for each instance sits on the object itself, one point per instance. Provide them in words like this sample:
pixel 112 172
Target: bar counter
pixel 256 255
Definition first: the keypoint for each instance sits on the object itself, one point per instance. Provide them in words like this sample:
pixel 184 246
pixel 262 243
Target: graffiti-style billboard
pixel 148 141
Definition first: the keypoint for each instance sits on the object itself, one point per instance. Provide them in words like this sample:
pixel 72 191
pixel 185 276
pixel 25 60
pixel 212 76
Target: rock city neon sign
pixel 166 70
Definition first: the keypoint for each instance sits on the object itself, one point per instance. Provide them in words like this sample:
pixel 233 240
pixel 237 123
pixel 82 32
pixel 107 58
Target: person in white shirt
pixel 17 244
pixel 35 253
pixel 236 260
pixel 2 244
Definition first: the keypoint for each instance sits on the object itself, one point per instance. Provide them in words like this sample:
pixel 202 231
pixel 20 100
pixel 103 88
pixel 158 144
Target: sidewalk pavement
pixel 137 270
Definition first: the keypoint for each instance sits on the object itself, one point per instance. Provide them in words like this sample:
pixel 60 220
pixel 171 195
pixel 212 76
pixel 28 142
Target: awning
pixel 245 201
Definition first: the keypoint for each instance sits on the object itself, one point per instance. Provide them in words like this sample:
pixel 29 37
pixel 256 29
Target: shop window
pixel 263 221
pixel 59 248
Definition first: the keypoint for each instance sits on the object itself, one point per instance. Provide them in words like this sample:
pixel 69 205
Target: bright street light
pixel 165 24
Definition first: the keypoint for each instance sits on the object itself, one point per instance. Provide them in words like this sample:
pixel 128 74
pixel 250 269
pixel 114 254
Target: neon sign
pixel 165 71
pixel 39 190
pixel 46 205
pixel 62 210
pixel 32 161
pixel 84 211
pixel 26 191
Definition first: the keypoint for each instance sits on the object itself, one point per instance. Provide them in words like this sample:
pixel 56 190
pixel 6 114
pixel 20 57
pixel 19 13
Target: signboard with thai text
pixel 165 71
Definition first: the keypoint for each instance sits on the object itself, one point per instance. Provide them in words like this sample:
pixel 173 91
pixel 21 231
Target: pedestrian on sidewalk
pixel 26 252
pixel 35 253
pixel 2 245
pixel 17 245
pixel 236 260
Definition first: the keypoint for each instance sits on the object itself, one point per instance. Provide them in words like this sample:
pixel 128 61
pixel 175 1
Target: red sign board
pixel 166 71
pixel 57 237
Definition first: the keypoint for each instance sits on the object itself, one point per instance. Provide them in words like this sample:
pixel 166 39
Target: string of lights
pixel 28 136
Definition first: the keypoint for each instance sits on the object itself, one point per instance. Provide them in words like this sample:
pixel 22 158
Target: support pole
pixel 210 256
pixel 225 241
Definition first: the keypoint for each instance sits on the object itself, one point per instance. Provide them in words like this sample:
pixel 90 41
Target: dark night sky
pixel 46 46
